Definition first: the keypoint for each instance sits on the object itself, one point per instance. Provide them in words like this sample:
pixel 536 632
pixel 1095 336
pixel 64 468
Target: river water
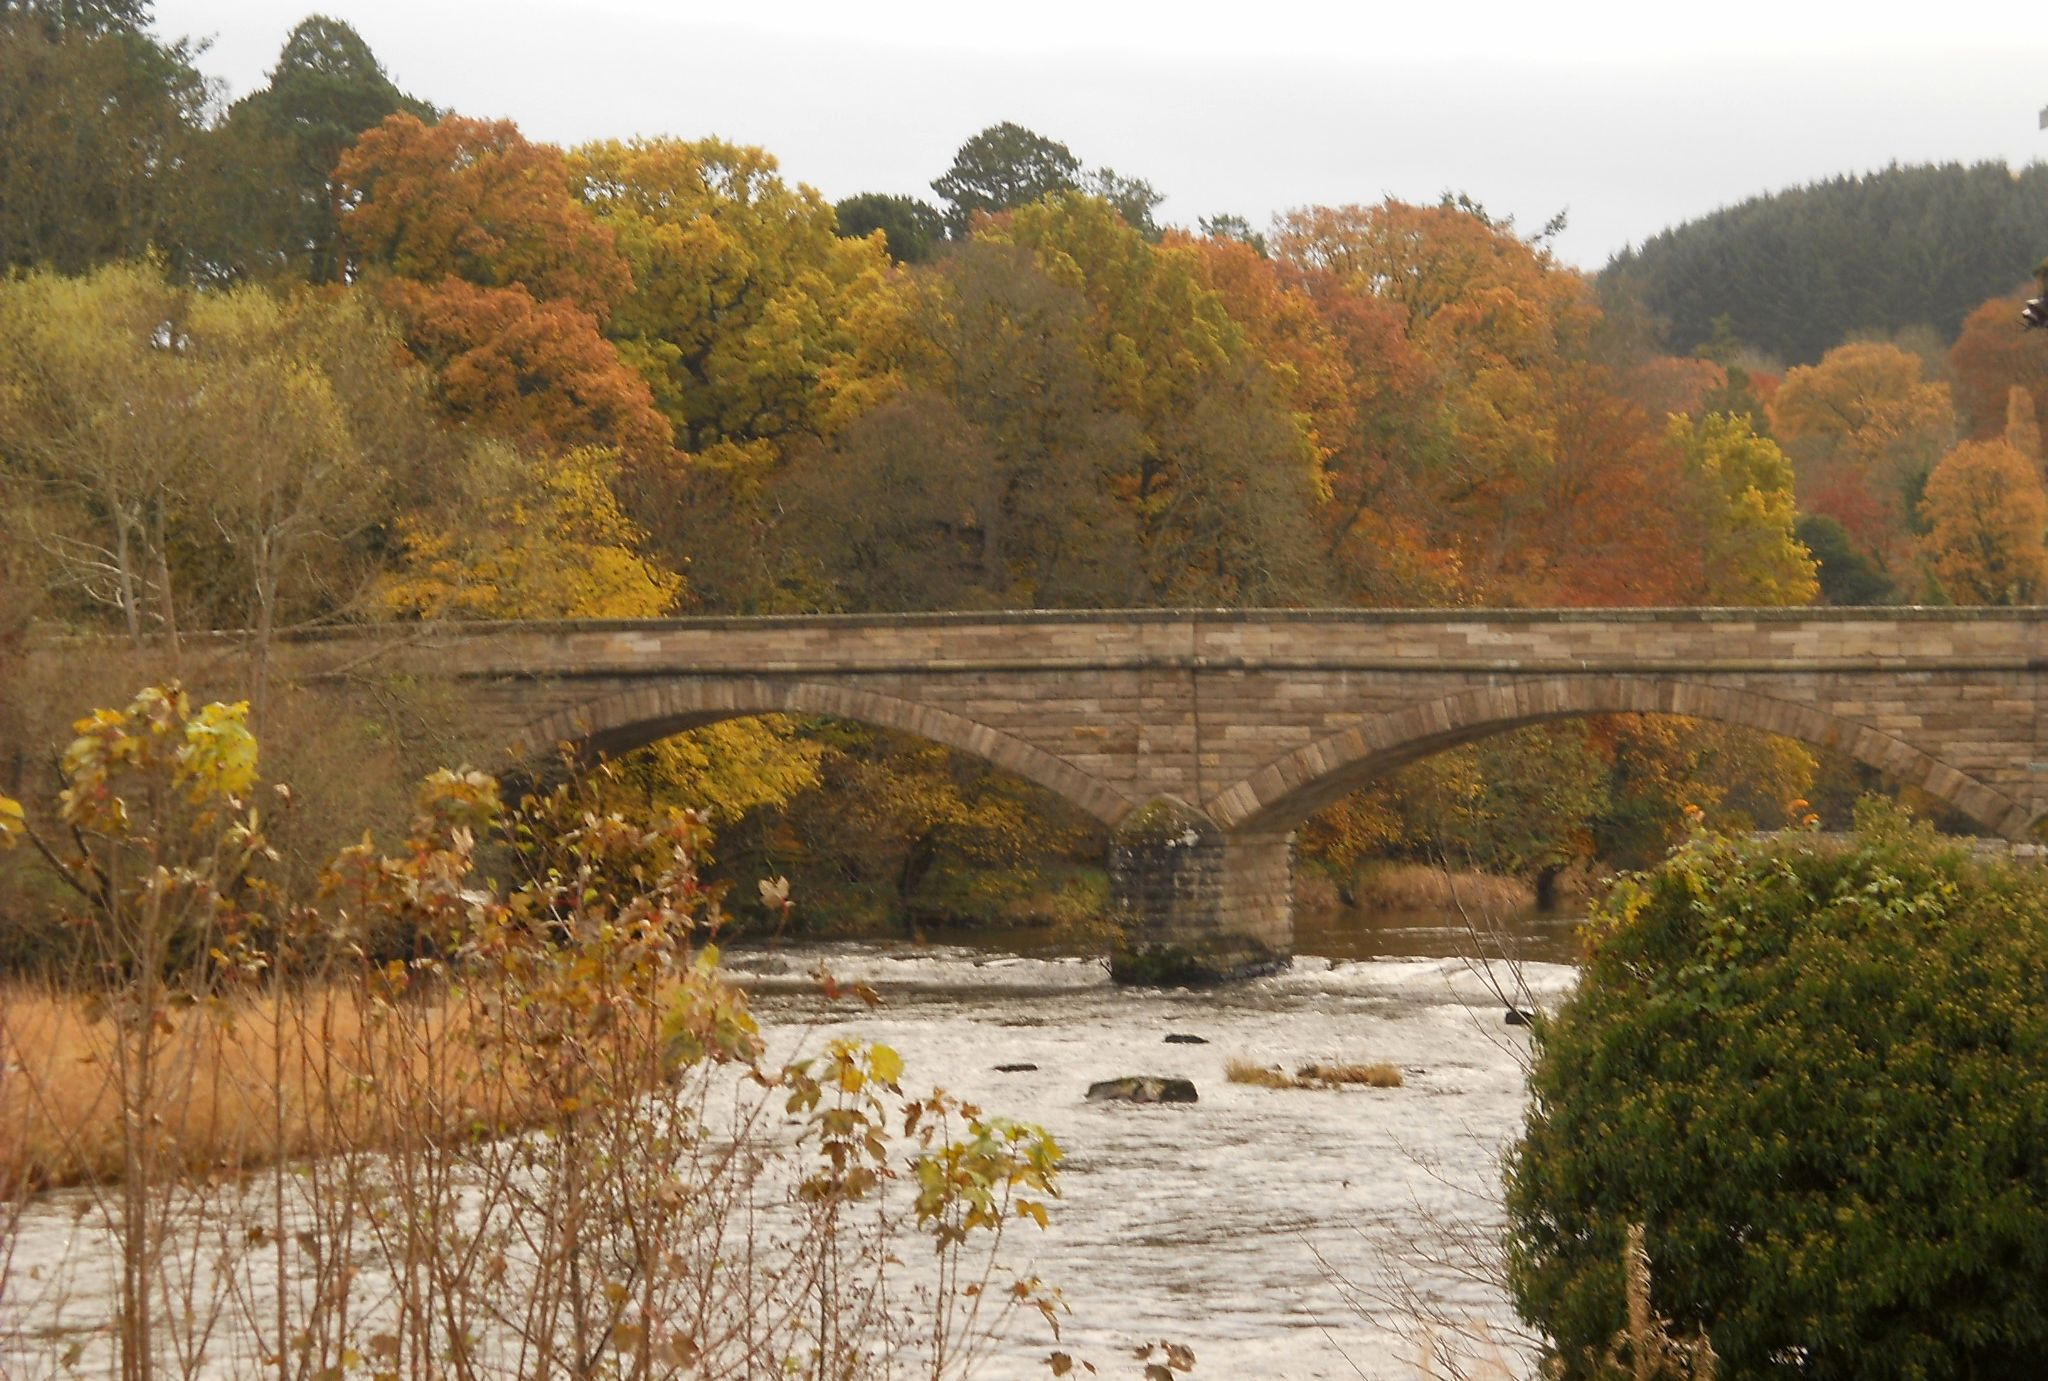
pixel 1282 1233
pixel 1277 1232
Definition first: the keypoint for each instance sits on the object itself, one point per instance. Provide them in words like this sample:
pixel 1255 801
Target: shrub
pixel 1818 1076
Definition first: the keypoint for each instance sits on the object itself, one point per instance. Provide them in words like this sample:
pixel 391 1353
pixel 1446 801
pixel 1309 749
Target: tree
pixel 1693 1086
pixel 1002 167
pixel 744 296
pixel 1134 198
pixel 263 204
pixel 530 537
pixel 989 481
pixel 1796 272
pixel 1519 452
pixel 1846 576
pixel 96 120
pixel 1740 498
pixel 2022 423
pixel 912 229
pixel 476 201
pixel 1231 226
pixel 751 320
pixel 221 459
pixel 1863 429
pixel 539 373
pixel 1987 516
pixel 1222 483
pixel 1993 355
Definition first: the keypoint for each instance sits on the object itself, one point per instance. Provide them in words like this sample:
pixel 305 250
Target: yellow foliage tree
pixel 743 312
pixel 1742 500
pixel 1986 514
pixel 553 543
pixel 549 542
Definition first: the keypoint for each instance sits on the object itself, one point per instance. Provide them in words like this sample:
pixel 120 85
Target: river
pixel 1282 1233
pixel 1277 1232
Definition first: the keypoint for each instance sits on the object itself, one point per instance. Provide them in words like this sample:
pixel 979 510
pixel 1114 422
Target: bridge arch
pixel 1288 789
pixel 630 719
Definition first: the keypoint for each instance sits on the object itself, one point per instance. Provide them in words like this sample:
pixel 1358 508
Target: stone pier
pixel 1193 904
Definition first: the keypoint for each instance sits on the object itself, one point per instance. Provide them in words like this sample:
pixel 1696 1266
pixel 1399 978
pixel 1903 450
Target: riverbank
pixel 1292 1233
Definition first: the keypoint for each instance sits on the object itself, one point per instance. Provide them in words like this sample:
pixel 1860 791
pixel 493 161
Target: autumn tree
pixel 990 480
pixel 741 313
pixel 2022 423
pixel 749 320
pixel 1993 354
pixel 1987 516
pixel 1864 428
pixel 504 280
pixel 220 460
pixel 1222 483
pixel 537 372
pixel 477 201
pixel 1523 449
pixel 1739 498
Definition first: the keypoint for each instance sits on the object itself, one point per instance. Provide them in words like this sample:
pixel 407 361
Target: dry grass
pixel 1380 1075
pixel 1425 887
pixel 1242 1071
pixel 1312 1076
pixel 247 1082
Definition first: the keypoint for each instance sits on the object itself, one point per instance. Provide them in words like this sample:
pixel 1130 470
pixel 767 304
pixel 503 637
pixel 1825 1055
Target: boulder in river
pixel 1143 1088
pixel 1517 1017
pixel 1183 1038
pixel 1015 1069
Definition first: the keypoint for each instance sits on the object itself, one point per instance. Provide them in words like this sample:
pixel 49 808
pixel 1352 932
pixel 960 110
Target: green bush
pixel 1818 1075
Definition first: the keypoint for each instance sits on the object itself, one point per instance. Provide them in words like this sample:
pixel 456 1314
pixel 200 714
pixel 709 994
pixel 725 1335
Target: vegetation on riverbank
pixel 537 1128
pixel 1815 1074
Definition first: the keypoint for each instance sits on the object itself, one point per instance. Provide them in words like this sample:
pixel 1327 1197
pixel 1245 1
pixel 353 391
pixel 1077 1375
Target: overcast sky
pixel 1633 116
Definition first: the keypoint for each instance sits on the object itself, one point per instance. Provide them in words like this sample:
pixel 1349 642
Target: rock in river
pixel 1142 1088
pixel 1183 1038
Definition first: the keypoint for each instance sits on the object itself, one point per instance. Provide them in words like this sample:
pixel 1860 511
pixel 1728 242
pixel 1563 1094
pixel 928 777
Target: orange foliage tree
pixel 1518 448
pixel 1993 355
pixel 535 372
pixel 1987 515
pixel 474 200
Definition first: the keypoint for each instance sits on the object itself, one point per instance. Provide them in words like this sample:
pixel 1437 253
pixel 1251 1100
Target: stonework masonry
pixel 1248 721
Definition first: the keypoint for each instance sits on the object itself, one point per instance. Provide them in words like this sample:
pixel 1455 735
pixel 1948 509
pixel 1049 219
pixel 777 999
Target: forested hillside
pixel 325 353
pixel 1796 273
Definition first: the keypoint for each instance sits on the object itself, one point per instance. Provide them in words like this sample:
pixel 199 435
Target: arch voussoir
pixel 629 718
pixel 1280 793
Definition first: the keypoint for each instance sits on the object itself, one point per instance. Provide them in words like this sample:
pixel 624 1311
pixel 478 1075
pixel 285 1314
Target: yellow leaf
pixel 885 1064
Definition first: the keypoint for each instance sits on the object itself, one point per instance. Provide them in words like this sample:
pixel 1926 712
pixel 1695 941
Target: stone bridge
pixel 1203 738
